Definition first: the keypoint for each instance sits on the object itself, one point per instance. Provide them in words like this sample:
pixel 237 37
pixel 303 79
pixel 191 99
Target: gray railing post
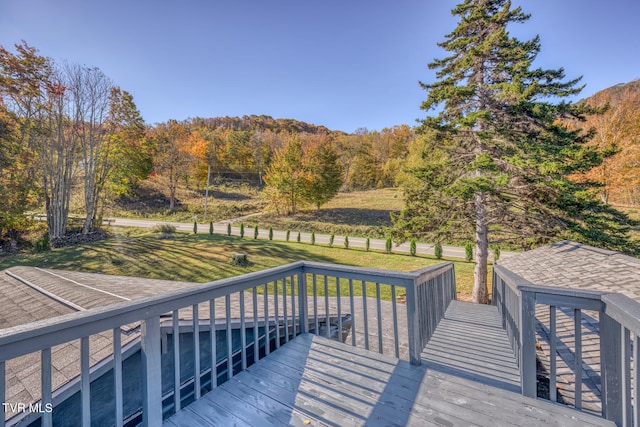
pixel 303 302
pixel 528 342
pixel 413 323
pixel 152 372
pixel 610 358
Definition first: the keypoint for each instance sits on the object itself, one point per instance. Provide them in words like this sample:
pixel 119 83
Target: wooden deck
pixel 470 343
pixel 468 377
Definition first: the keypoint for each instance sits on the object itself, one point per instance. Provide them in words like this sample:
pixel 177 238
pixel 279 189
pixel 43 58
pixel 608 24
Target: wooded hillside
pixel 617 130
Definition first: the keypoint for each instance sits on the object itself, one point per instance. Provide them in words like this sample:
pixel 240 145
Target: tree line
pixel 66 127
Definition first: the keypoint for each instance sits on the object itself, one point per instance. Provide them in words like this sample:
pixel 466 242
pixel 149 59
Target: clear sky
pixel 344 64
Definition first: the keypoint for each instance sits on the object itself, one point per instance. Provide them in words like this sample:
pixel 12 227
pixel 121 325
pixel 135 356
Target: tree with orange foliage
pixel 617 129
pixel 172 156
pixel 206 144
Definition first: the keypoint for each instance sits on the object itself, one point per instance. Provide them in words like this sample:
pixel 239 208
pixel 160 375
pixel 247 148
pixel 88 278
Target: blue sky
pixel 343 64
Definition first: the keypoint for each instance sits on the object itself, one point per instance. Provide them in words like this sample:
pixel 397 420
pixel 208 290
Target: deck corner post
pixel 413 324
pixel 303 301
pixel 528 342
pixel 611 350
pixel 152 372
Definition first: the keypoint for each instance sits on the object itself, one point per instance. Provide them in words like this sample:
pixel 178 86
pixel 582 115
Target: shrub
pixel 496 254
pixel 241 230
pixel 164 228
pixel 412 247
pixel 313 237
pixel 288 235
pixel 298 238
pixel 331 239
pixel 255 232
pixel 388 244
pixel 43 244
pixel 239 259
pixel 270 233
pixel 367 245
pixel 468 251
pixel 437 250
pixel 195 227
pixel 346 242
pixel 229 229
pixel 210 227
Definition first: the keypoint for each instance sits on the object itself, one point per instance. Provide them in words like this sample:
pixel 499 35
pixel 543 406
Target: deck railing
pixel 275 305
pixel 617 340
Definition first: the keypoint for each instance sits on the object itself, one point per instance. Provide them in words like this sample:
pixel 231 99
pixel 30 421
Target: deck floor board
pixel 318 382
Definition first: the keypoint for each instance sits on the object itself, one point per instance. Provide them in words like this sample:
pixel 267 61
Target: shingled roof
pixel 30 294
pixel 574 265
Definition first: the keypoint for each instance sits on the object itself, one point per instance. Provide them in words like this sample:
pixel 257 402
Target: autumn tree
pixel 89 91
pixel 16 182
pixel 494 161
pixel 205 144
pixel 286 177
pixel 171 154
pixel 324 172
pixel 616 130
pixel 38 94
pixel 23 79
pixel 131 149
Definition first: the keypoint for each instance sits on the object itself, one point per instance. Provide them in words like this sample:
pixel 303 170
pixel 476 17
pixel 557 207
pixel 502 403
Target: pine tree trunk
pixel 480 291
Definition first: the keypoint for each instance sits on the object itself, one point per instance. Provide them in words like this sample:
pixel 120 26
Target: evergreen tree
pixel 437 250
pixel 495 159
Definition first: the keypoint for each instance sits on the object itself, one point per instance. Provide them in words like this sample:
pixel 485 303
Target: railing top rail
pixel 426 273
pixel 58 330
pixel 624 310
pixel 390 277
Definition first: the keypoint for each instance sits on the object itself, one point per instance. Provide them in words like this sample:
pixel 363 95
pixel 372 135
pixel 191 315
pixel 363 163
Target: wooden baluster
pixel 45 377
pixel 177 382
pixel 85 381
pixel 213 333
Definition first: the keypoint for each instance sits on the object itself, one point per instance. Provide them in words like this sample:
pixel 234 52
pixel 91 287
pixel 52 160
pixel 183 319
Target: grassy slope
pixel 358 213
pixel 202 258
pixel 151 201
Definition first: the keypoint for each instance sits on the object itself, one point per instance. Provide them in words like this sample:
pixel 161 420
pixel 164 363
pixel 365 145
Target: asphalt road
pixel 354 242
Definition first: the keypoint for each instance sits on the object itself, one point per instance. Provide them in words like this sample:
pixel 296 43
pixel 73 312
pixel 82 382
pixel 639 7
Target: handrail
pixel 50 332
pixel 619 317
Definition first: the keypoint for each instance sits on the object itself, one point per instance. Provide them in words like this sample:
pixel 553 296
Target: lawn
pixel 202 258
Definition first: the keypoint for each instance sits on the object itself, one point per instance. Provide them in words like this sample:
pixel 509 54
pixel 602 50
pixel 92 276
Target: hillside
pixel 618 129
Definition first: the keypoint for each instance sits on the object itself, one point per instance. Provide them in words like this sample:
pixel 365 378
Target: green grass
pixel 203 257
